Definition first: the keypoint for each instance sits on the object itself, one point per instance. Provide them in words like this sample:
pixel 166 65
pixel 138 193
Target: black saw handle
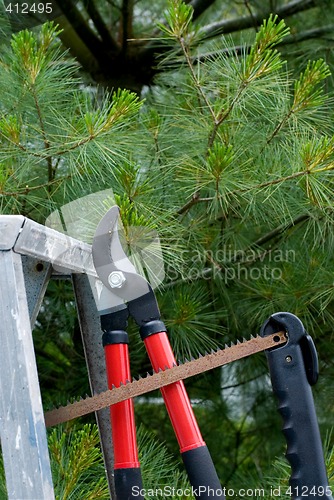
pixel 293 369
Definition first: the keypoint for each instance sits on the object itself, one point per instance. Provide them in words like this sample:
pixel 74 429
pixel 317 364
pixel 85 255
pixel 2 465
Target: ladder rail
pixel 29 253
pixel 22 426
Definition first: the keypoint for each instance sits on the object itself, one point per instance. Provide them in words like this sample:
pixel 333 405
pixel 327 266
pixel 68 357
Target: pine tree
pixel 230 159
pixel 117 44
pixel 78 469
pixel 48 124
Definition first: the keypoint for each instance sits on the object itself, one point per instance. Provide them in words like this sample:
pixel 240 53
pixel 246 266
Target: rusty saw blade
pixel 163 377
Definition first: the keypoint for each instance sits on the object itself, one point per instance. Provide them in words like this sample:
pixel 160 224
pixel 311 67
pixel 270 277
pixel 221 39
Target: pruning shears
pixel 125 293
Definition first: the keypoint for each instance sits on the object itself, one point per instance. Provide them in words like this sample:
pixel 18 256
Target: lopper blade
pixel 111 262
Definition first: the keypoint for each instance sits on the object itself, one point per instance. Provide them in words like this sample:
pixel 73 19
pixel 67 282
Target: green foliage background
pixel 230 158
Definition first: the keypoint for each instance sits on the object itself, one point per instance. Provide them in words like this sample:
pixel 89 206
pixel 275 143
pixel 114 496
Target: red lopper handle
pixel 175 395
pixel 122 414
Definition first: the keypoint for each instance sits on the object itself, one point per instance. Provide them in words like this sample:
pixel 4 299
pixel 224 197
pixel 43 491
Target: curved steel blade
pixel 109 257
pixel 107 248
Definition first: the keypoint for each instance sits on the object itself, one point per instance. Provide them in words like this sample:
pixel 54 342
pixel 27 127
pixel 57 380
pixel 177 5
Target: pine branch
pixel 242 23
pixel 278 128
pixel 197 199
pixel 22 148
pixel 274 182
pixel 195 80
pixel 266 238
pixel 316 33
pixel 292 39
pixel 193 200
pixel 101 26
pixel 279 230
pixel 241 383
pixel 76 145
pixel 27 189
pixel 126 25
pixel 59 152
pixel 251 14
pixel 200 6
pixel 217 119
pixel 82 28
pixel 225 114
pixel 308 35
pixel 245 458
pixel 47 145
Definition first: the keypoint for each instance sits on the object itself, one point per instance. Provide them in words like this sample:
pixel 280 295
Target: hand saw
pixel 164 377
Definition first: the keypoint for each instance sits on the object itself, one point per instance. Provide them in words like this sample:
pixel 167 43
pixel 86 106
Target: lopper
pixel 125 293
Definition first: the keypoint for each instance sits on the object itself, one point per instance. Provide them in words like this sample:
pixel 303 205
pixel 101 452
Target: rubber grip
pixel 202 474
pixel 300 426
pixel 128 484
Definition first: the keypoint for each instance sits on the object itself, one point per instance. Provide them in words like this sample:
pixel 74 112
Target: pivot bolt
pixel 116 279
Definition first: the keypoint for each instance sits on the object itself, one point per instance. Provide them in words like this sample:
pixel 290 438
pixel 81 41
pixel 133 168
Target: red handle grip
pixel 122 414
pixel 175 395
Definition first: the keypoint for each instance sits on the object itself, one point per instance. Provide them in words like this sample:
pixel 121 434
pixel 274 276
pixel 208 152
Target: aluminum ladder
pixel 30 254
